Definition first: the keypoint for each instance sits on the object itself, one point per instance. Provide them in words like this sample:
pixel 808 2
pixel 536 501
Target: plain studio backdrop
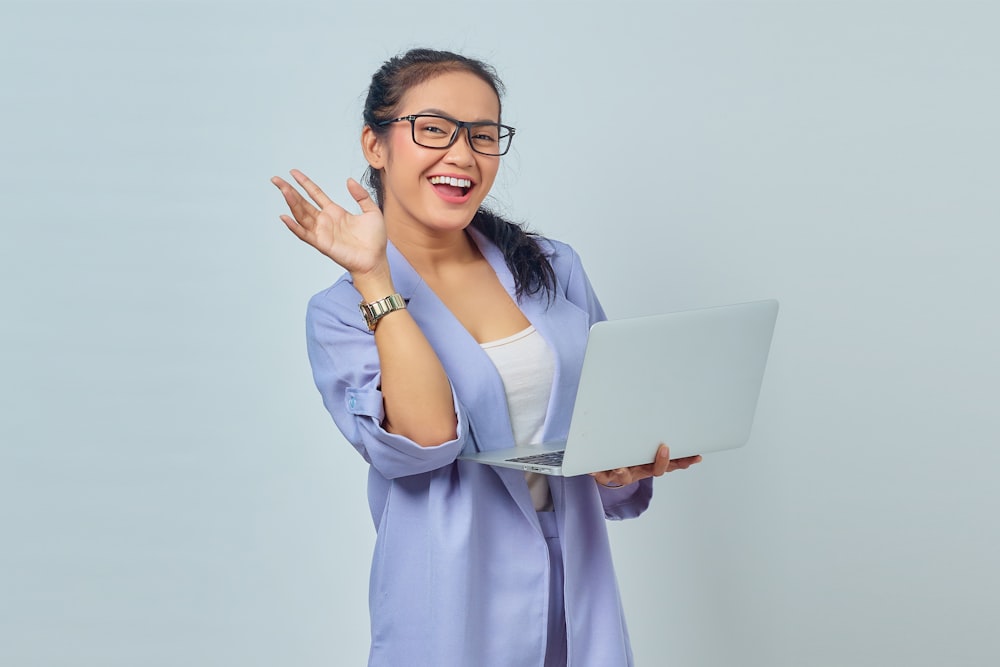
pixel 172 491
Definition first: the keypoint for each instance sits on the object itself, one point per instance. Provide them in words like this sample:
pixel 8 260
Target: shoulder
pixel 571 279
pixel 565 261
pixel 554 249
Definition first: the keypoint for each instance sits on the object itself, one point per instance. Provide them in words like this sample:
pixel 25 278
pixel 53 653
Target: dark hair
pixel 524 256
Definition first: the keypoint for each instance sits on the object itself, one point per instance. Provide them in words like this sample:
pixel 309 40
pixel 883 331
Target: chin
pixel 454 217
pixel 447 223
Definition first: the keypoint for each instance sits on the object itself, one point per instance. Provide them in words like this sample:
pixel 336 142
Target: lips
pixel 452 189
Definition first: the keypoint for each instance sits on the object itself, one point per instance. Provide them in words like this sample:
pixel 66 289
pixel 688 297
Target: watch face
pixel 366 312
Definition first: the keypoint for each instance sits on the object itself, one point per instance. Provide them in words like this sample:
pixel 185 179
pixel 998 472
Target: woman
pixel 471 334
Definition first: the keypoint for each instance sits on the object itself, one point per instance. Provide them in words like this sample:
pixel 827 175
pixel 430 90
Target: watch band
pixel 376 310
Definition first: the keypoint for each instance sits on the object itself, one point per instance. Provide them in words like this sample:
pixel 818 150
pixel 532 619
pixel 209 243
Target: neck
pixel 431 251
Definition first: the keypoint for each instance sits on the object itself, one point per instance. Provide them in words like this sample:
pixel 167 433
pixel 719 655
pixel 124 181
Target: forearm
pixel 415 389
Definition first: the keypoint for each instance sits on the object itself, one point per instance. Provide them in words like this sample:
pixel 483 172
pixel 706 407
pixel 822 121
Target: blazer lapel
pixel 565 328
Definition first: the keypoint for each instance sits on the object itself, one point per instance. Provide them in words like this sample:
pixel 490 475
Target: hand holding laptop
pixel 660 465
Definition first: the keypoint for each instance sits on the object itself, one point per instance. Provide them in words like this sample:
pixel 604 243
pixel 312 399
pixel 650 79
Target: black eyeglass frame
pixel 467 124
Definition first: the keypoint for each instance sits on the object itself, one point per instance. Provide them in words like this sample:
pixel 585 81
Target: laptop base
pixel 530 458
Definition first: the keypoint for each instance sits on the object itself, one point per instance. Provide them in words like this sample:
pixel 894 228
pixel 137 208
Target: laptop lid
pixel 689 379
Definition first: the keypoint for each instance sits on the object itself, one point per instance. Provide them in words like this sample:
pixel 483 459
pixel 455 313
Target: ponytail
pixel 532 271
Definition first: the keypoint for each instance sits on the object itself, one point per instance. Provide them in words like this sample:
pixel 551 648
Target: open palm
pixel 355 241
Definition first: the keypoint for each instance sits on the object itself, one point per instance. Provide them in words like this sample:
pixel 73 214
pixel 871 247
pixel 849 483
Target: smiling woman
pixel 471 335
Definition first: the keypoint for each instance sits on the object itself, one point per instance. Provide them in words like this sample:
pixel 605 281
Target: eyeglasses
pixel 433 131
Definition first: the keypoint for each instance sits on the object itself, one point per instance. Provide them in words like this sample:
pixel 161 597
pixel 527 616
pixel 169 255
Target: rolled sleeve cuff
pixel 394 455
pixel 628 501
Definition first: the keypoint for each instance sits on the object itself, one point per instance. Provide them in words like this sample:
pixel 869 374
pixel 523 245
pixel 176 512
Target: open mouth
pixel 450 186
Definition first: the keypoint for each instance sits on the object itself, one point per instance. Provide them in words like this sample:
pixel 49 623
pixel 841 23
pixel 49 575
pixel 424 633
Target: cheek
pixel 407 161
pixel 489 172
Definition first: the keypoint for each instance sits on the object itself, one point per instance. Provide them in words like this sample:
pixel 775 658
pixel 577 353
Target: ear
pixel 373 147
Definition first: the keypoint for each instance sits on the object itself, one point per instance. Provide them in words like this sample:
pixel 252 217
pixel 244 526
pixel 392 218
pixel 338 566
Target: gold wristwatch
pixel 376 310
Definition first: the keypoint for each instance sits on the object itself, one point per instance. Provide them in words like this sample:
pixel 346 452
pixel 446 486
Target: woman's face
pixel 411 193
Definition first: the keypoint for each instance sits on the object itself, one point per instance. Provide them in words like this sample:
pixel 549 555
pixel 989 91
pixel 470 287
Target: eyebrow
pixel 439 112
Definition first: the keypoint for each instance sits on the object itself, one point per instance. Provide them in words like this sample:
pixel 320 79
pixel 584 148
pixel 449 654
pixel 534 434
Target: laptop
pixel 688 379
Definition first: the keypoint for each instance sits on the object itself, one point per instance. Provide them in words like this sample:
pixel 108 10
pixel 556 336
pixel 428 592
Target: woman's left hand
pixel 661 464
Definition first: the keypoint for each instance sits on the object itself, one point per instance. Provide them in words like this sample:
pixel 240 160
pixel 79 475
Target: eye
pixel 484 138
pixel 486 135
pixel 433 127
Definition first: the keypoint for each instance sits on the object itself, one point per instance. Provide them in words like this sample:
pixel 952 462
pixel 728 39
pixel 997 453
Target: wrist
pixel 374 311
pixel 373 285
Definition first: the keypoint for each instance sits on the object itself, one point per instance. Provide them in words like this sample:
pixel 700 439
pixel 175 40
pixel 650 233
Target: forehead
pixel 459 94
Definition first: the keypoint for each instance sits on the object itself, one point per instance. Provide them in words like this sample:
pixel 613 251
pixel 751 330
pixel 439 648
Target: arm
pixel 416 394
pixel 346 368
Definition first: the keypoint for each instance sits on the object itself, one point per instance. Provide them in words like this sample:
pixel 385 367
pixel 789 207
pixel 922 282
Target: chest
pixel 479 302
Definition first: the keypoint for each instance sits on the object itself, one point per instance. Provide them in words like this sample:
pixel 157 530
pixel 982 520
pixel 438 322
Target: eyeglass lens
pixel 437 132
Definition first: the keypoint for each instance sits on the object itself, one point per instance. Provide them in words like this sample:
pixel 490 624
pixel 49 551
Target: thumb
pixel 661 464
pixel 361 196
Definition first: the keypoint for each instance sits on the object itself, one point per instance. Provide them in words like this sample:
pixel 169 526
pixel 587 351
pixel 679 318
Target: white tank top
pixel 527 368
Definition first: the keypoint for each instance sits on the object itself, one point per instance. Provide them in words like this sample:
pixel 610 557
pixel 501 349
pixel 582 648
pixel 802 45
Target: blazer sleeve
pixel 346 370
pixel 632 500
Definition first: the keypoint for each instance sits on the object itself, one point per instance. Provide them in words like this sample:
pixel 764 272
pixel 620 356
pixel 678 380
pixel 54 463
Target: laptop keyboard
pixel 548 458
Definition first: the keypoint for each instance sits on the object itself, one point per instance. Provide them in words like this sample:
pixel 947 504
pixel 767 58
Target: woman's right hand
pixel 356 242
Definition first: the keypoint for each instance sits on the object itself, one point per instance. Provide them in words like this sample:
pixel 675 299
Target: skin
pixel 431 233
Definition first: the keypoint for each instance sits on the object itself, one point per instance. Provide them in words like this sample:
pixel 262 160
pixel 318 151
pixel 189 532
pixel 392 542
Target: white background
pixel 172 491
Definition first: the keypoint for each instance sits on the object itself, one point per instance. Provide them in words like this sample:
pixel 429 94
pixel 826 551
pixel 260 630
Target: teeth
pixel 446 180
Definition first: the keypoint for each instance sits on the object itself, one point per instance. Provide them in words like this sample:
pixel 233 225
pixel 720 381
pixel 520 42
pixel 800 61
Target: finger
pixel 621 476
pixel 604 477
pixel 313 190
pixel 661 464
pixel 600 477
pixel 294 227
pixel 282 184
pixel 685 462
pixel 362 196
pixel 297 204
pixel 611 478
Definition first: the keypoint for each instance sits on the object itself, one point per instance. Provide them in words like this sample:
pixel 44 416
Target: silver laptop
pixel 689 379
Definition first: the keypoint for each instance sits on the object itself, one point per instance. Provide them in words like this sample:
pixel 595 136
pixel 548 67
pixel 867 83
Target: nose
pixel 460 152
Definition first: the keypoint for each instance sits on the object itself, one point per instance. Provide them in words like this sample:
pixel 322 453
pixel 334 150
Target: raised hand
pixel 660 465
pixel 355 241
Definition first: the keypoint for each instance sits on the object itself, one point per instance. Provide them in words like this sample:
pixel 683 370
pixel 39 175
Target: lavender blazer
pixel 460 570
